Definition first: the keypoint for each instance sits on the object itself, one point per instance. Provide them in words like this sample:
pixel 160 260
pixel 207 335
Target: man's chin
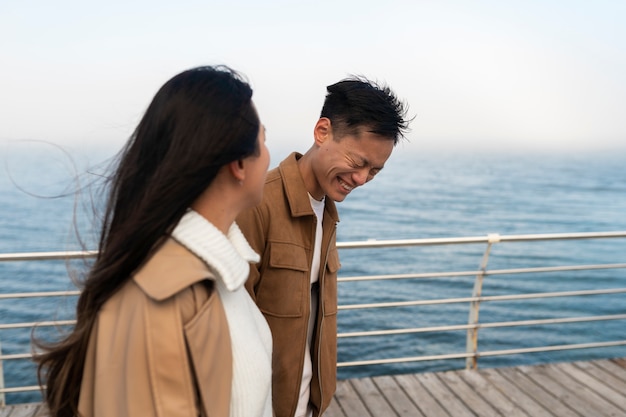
pixel 338 197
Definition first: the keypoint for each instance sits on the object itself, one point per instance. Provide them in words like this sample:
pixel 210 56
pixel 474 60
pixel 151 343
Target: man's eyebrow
pixel 372 166
pixel 363 161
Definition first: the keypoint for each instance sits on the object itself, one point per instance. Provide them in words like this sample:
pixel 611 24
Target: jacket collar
pixel 197 251
pixel 296 192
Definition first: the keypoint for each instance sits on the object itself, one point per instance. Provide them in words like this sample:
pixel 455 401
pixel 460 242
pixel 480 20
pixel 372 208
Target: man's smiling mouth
pixel 344 185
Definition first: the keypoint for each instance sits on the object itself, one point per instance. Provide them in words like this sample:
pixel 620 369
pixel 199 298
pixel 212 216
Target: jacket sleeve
pixel 137 360
pixel 254 225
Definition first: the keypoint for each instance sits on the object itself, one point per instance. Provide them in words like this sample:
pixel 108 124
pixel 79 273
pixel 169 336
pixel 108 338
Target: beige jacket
pixel 160 345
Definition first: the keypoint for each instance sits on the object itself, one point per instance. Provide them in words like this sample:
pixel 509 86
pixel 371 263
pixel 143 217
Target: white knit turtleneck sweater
pixel 228 257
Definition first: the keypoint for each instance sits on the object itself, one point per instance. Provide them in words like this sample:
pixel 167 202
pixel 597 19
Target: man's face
pixel 342 165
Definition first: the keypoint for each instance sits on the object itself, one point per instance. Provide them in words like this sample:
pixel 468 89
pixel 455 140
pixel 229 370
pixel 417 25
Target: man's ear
pixel 323 130
pixel 237 170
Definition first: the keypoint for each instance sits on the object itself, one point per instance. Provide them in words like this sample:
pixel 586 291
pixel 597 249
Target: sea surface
pixel 49 203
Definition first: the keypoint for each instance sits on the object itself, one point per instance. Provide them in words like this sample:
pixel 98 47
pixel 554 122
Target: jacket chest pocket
pixel 284 282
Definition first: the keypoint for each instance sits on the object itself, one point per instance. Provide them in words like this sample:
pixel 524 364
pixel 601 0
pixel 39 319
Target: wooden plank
pixel 613 367
pixel 397 397
pixel 372 397
pixel 42 411
pixel 420 396
pixel 22 410
pixel 491 393
pixel 444 396
pixel 540 375
pixel 597 384
pixel 582 391
pixel 466 393
pixel 620 361
pixel 526 394
pixel 334 409
pixel 601 374
pixel 349 400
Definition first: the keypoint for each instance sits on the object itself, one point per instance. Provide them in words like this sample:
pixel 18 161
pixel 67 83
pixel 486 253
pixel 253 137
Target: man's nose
pixel 360 177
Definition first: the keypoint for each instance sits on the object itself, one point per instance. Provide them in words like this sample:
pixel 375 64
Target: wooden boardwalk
pixel 576 389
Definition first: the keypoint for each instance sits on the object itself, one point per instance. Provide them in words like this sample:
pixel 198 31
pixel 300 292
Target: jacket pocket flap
pixel 288 256
pixel 333 264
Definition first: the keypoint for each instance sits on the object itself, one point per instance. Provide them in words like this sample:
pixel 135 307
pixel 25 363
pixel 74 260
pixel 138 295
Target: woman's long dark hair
pixel 197 122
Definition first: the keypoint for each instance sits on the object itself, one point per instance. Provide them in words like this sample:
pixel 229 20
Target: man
pixel 294 230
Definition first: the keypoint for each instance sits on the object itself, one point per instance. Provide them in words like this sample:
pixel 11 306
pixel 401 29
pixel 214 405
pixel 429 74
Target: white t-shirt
pixel 303 409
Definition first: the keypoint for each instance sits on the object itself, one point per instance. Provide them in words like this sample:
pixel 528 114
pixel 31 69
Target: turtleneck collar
pixel 228 255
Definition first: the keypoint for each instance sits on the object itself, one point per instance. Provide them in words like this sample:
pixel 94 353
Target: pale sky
pixel 503 75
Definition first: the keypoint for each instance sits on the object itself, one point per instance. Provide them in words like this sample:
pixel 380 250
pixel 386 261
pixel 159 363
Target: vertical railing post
pixel 471 344
pixel 2 400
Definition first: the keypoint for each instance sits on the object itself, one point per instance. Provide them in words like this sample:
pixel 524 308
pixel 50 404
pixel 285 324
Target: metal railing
pixel 472 327
pixel 472 354
pixel 33 256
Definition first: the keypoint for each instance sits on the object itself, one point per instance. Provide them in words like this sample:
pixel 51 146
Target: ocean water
pixel 419 195
pixel 456 194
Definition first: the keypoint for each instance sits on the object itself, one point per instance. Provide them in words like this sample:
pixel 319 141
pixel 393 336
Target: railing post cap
pixel 493 238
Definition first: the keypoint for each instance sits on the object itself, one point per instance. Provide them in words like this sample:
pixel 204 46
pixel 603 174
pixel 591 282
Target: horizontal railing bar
pixel 390 276
pixel 482 326
pixel 408 276
pixel 555 269
pixel 383 277
pixel 394 331
pixel 482 354
pixel 493 238
pixel 409 359
pixel 371 243
pixel 19 389
pixel 37 324
pixel 482 298
pixel 38 294
pixel 415 303
pixel 47 256
pixel 552 294
pixel 487 272
pixel 552 321
pixel 16 356
pixel 561 236
pixel 407 331
pixel 552 348
pixel 387 332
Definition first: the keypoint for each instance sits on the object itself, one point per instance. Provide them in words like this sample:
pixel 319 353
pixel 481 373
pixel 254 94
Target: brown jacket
pixel 282 230
pixel 160 345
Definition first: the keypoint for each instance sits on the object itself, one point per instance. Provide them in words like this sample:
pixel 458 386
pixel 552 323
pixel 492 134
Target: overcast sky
pixel 504 75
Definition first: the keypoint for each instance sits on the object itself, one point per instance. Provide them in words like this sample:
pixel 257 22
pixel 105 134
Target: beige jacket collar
pixel 216 257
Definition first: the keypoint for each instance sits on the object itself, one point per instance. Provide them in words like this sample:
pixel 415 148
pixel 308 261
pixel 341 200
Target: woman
pixel 164 324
